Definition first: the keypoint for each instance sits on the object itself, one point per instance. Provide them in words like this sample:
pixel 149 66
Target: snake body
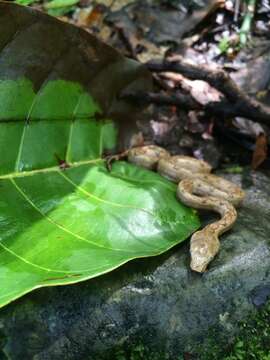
pixel 199 189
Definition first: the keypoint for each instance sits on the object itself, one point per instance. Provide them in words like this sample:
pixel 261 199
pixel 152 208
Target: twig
pixel 184 101
pixel 236 100
pixel 236 10
pixel 222 108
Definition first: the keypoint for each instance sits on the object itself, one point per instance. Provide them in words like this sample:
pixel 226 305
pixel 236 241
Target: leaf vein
pixel 79 237
pixel 27 120
pixel 102 200
pixel 169 187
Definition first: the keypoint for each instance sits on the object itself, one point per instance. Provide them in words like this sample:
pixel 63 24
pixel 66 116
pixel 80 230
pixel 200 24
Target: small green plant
pixel 224 45
pixel 254 340
pixel 252 343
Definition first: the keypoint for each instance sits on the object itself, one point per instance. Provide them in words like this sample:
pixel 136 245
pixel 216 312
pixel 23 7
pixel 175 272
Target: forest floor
pixel 212 33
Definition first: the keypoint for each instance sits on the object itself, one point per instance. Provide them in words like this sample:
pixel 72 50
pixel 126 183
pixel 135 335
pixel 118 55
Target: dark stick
pixel 242 104
pixel 184 101
pixel 222 108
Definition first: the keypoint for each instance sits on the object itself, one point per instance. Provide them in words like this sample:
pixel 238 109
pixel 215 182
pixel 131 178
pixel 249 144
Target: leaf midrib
pixel 49 169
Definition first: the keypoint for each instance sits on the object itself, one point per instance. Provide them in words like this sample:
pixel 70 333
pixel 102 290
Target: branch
pixel 184 101
pixel 223 108
pixel 240 103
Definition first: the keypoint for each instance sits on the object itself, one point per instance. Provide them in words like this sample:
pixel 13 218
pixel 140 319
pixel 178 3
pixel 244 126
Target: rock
pixel 260 295
pixel 157 302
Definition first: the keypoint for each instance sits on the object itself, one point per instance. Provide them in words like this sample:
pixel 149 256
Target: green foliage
pixel 64 218
pixel 61 227
pixel 252 342
pixel 234 169
pixel 60 7
pixel 254 339
pixel 224 45
pixel 61 11
pixel 140 352
pixel 53 7
pixel 56 4
pixel 25 2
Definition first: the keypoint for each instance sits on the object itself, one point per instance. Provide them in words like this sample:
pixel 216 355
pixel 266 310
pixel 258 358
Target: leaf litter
pixel 204 32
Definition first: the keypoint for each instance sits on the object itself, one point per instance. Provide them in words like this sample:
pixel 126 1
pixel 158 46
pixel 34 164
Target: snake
pixel 196 188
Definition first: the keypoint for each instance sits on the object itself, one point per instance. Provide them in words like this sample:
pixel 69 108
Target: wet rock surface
pixel 157 301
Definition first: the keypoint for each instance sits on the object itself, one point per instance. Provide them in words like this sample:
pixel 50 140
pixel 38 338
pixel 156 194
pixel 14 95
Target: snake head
pixel 204 245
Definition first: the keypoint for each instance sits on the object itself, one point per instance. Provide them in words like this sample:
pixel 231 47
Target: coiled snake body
pixel 199 189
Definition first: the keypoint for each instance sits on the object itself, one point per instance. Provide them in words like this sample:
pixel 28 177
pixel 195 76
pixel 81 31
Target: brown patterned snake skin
pixel 199 189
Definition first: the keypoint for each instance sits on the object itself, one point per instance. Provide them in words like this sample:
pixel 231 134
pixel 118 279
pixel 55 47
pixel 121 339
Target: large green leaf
pixel 59 91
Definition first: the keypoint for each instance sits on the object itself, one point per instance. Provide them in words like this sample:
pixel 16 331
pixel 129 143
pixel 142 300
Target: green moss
pixel 139 351
pixel 252 343
pixel 2 344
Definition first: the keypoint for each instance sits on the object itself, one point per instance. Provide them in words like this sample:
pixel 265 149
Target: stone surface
pixel 157 302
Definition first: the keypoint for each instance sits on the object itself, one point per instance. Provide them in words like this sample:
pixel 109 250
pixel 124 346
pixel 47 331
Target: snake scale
pixel 197 188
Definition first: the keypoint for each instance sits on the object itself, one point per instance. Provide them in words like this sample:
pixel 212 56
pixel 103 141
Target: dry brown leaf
pixel 95 16
pixel 260 152
pixel 137 140
pixel 201 91
pixel 83 17
pixel 160 128
pixel 151 51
